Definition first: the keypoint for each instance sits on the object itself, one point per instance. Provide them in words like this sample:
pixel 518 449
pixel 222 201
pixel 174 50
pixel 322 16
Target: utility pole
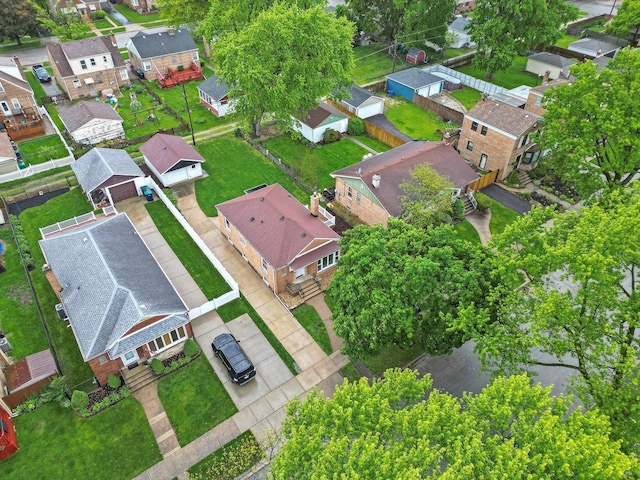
pixel 186 101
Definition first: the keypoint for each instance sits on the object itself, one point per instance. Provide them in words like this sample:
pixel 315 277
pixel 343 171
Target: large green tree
pixel 284 61
pixel 581 306
pixel 505 28
pixel 592 126
pixel 184 12
pixel 402 286
pixel 18 18
pixel 66 26
pixel 427 197
pixel 627 20
pixel 511 430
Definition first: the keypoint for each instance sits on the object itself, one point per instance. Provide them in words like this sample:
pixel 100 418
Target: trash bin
pixel 5 346
pixel 391 93
pixel 146 191
pixel 139 73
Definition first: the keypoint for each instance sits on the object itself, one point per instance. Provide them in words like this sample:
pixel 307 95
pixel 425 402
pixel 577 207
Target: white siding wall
pixel 180 175
pixel 429 90
pixel 371 107
pixel 540 68
pixel 98 130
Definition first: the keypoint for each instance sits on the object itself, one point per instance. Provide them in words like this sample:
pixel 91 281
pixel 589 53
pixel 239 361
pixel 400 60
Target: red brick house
pixel 18 109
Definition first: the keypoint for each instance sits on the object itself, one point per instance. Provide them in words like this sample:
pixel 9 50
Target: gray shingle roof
pixel 553 59
pixel 110 281
pixel 153 331
pixel 150 45
pixel 593 45
pixel 83 49
pixel 215 87
pixel 357 96
pixel 99 164
pixel 414 78
pixel 81 113
pixel 459 25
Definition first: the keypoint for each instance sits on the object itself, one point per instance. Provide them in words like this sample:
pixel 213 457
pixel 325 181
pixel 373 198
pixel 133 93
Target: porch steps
pixel 468 206
pixel 138 377
pixel 310 289
pixel 524 178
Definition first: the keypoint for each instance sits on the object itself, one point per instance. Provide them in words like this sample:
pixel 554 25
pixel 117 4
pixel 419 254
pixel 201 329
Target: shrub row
pixel 56 391
pixel 190 351
pixel 21 239
pixel 106 402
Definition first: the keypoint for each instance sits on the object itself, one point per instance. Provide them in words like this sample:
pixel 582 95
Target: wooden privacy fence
pixel 487 179
pixel 382 135
pixel 447 113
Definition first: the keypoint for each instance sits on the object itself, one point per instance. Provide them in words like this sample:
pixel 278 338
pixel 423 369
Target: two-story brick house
pixel 534 100
pixel 497 136
pixel 86 67
pixel 18 108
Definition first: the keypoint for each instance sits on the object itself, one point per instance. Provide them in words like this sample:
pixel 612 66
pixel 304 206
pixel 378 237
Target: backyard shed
pixel 412 81
pixel 320 119
pixel 593 47
pixel 415 56
pixel 171 159
pixel 214 94
pixel 363 103
pixel 557 65
pixel 28 375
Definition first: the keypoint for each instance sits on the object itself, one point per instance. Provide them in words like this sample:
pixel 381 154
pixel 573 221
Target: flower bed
pixel 102 398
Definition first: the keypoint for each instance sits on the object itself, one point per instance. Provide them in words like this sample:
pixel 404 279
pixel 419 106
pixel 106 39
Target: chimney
pixel 375 180
pixel 314 204
pixel 113 40
pixel 545 79
pixel 16 60
pixel 170 30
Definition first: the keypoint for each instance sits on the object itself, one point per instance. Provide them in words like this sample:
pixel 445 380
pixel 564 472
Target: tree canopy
pixel 580 308
pixel 627 20
pixel 592 126
pixel 505 28
pixel 401 285
pixel 427 197
pixel 18 18
pixel 180 12
pixel 67 26
pixel 389 430
pixel 283 61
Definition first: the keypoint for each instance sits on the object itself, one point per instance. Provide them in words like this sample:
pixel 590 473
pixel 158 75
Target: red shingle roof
pixel 165 151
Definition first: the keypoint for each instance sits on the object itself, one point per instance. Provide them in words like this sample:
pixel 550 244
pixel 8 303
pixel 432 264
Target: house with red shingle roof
pixel 171 159
pixel 289 246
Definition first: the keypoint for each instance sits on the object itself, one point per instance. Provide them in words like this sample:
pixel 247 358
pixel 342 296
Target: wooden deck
pixel 178 76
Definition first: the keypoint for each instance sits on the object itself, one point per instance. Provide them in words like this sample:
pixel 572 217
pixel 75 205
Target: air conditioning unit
pixel 46 267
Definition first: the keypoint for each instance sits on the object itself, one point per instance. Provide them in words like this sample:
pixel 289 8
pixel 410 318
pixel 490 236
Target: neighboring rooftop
pixel 98 46
pixel 414 78
pixel 215 87
pixel 323 113
pixel 459 25
pixel 29 370
pixel 593 47
pixel 553 59
pixel 151 45
pixel 99 164
pixel 358 95
pixel 165 151
pixel 75 116
pixel 511 120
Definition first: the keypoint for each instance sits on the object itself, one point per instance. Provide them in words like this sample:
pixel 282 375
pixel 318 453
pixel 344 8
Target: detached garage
pixel 107 176
pixel 171 159
pixel 407 83
pixel 320 119
pixel 363 103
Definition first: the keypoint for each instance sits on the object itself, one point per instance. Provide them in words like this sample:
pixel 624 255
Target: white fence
pixel 468 80
pixel 71 222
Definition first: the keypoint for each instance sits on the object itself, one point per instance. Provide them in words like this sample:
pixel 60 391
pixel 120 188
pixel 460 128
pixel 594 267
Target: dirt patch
pixel 20 294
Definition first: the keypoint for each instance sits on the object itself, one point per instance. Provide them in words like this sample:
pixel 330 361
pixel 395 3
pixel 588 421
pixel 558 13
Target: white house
pixel 318 120
pixel 91 122
pixel 214 95
pixel 557 66
pixel 462 38
pixel 171 159
pixel 363 103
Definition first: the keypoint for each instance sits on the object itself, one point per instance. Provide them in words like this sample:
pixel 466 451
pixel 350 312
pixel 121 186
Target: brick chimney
pixel 171 30
pixel 314 204
pixel 545 79
pixel 16 60
pixel 113 40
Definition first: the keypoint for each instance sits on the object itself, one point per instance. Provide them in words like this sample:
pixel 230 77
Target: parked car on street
pixel 41 73
pixel 238 365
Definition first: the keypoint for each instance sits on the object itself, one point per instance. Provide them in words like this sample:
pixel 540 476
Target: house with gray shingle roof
pixel 84 68
pixel 288 245
pixel 318 120
pixel 171 159
pixel 414 81
pixel 214 95
pixel 91 122
pixel 121 306
pixel 107 176
pixel 557 65
pixel 594 47
pixel 460 34
pixel 363 103
pixel 156 53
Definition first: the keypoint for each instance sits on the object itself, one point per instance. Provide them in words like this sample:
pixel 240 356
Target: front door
pixel 130 358
pixel 5 108
pixel 483 161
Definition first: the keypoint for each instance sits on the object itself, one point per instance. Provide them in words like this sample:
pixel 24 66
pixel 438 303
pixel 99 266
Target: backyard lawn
pixel 513 77
pixel 312 323
pixel 391 357
pixel 55 116
pixel 195 400
pixel 467 231
pixel 197 264
pixel 467 96
pixel 36 86
pixel 234 166
pixel 135 17
pixel 54 442
pixel 372 62
pixel 501 217
pixel 42 149
pixel 415 121
pixel 371 142
pixel 102 24
pixel 137 124
pixel 565 40
pixel 313 165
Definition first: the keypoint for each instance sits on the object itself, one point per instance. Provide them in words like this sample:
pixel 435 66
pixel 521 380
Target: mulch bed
pixel 341 225
pixel 100 393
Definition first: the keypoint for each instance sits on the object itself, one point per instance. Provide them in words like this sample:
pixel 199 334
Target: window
pixel 470 146
pixel 104 58
pixel 194 56
pixel 174 59
pixel 531 157
pixel 165 341
pixel 146 65
pixel 15 103
pixel 483 130
pixel 263 264
pixel 523 140
pixel 98 78
pixel 284 272
pixel 227 224
pixel 358 198
pixel 83 64
pixel 328 261
pixel 242 240
pixel 134 3
pixel 92 61
pixel 538 101
pixel 349 192
pixel 474 126
pixel 102 359
pixel 123 74
pixel 1 88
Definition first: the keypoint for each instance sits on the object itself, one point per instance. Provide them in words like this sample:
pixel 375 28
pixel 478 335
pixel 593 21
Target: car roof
pixel 232 351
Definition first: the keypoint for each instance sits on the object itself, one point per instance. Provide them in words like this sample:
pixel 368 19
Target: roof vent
pixel 304 234
pixel 251 219
pixel 281 217
pixel 164 148
pixel 375 180
pixel 143 306
pixel 84 240
pixel 262 199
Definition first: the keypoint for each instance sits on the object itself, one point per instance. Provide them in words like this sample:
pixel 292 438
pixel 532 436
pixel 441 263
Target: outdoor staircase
pixel 468 206
pixel 138 377
pixel 310 289
pixel 523 178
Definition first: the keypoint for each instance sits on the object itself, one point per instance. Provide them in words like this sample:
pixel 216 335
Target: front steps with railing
pixel 138 377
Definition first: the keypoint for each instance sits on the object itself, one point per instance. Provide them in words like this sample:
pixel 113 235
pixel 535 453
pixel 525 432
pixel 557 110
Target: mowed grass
pixel 19 318
pixel 417 122
pixel 137 124
pixel 372 62
pixel 234 166
pixel 312 323
pixel 195 400
pixel 36 86
pixel 467 96
pixel 466 231
pixel 54 442
pixel 313 165
pixel 377 145
pixel 565 40
pixel 391 357
pixel 513 77
pixel 501 217
pixel 135 17
pixel 197 264
pixel 43 149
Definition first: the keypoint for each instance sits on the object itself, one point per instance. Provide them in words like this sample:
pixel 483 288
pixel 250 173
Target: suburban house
pixel 107 176
pixel 320 119
pixel 86 67
pixel 461 37
pixel 214 94
pixel 83 7
pixel 171 159
pixel 464 5
pixel 371 189
pixel 534 100
pixel 141 6
pixel 362 103
pixel 594 47
pixel 497 136
pixel 170 57
pixel 8 159
pixel 289 246
pixel 91 122
pixel 18 109
pixel 118 301
pixel 556 65
pixel 413 81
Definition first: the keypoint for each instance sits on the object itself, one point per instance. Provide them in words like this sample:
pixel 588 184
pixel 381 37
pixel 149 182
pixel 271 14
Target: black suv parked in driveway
pixel 41 73
pixel 240 368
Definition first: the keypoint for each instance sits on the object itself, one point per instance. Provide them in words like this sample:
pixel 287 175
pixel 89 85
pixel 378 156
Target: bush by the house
pixel 484 202
pixel 295 135
pixel 445 218
pixel 79 400
pixel 330 135
pixel 114 381
pixel 56 391
pixel 156 366
pixel 356 127
pixel 458 210
pixel 99 15
pixel 513 180
pixel 191 348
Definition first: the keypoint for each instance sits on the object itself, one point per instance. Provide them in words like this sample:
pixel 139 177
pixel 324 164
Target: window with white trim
pixel 16 104
pixel 77 83
pixel 474 126
pixel 483 130
pixel 167 340
pixel 470 146
pixel 358 198
pixel 174 59
pixel 227 224
pixel 123 74
pixel 263 263
pixel 98 78
pixel 146 66
pixel 83 64
pixel 242 240
pixel 92 61
pixel 349 192
pixel 194 56
pixel 1 88
pixel 328 261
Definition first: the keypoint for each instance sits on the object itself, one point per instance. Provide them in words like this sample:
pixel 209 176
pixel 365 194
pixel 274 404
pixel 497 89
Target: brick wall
pixel 162 64
pixel 110 367
pixel 368 211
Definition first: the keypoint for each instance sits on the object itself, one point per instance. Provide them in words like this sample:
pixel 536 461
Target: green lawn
pixel 55 443
pixel 19 318
pixel 313 165
pixel 109 31
pixel 101 24
pixel 565 40
pixel 26 42
pixel 135 17
pixel 501 216
pixel 195 400
pixel 55 210
pixel 415 121
pixel 513 77
pixel 377 145
pixel 135 123
pixel 467 96
pixel 199 267
pixel 467 231
pixel 230 460
pixel 113 19
pixel 312 323
pixel 241 306
pixel 155 23
pixel 372 63
pixel 36 86
pixel 55 116
pixel 391 357
pixel 234 166
pixel 42 149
